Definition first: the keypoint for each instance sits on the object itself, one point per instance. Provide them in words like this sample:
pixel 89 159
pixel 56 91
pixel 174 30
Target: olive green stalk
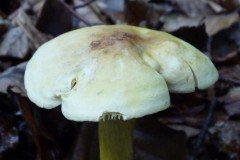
pixel 115 139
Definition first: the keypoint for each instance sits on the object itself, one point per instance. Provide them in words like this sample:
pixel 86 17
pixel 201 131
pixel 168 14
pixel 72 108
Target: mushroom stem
pixel 115 139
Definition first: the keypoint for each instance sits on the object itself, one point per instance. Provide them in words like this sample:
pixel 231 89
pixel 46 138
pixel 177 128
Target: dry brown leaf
pixel 56 18
pixel 216 23
pixel 14 44
pixel 228 57
pixel 141 12
pixel 233 109
pixel 232 73
pixel 36 37
pixel 87 13
pixel 232 100
pixel 9 135
pixel 227 135
pixel 194 8
pixel 229 4
pixel 189 131
pixel 155 141
pixel 213 23
pixel 217 8
pixel 3 26
pixel 232 96
pixel 34 6
pixel 174 22
pixel 12 79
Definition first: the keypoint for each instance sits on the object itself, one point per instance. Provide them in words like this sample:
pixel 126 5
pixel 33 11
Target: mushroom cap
pixel 114 69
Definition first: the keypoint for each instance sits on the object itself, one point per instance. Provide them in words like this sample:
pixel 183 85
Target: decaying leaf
pixel 177 21
pixel 9 135
pixel 88 13
pixel 216 23
pixel 36 37
pixel 155 141
pixel 230 4
pixel 60 21
pixel 233 109
pixel 217 8
pixel 3 26
pixel 12 79
pixel 213 23
pixel 232 73
pixel 189 131
pixel 186 13
pixel 14 44
pixel 232 101
pixel 34 6
pixel 227 136
pixel 232 96
pixel 160 136
pixel 139 12
pixel 228 57
pixel 194 8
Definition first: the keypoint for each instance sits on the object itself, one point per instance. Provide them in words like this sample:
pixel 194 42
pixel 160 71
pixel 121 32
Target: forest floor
pixel 203 125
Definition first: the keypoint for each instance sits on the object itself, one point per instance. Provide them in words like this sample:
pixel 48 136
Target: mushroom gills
pixel 111 116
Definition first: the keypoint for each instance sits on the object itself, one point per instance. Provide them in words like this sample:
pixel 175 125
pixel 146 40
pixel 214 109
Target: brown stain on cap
pixel 114 38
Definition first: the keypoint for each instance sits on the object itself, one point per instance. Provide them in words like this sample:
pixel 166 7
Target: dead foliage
pixel 201 125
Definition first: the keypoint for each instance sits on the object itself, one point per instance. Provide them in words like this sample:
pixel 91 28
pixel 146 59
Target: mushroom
pixel 113 74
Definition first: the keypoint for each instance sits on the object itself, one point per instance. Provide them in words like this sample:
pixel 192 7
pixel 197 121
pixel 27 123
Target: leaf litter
pixel 216 26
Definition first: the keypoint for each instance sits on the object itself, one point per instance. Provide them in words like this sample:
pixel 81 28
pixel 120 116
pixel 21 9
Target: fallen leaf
pixel 189 131
pixel 3 26
pixel 32 6
pixel 60 21
pixel 217 8
pixel 232 101
pixel 87 13
pixel 113 6
pixel 227 135
pixel 36 37
pixel 232 73
pixel 231 5
pixel 194 8
pixel 233 109
pixel 14 44
pixel 141 11
pixel 86 145
pixel 228 57
pixel 12 79
pixel 174 22
pixel 155 141
pixel 232 96
pixel 216 23
pixel 9 135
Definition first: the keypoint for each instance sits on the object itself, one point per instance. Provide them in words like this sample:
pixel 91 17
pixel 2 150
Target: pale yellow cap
pixel 120 69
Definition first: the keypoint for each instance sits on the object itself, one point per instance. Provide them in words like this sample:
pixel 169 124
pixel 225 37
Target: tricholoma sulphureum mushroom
pixel 117 73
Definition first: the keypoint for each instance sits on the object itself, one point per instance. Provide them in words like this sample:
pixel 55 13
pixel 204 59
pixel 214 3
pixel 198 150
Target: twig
pixel 204 129
pixel 209 44
pixel 83 5
pixel 74 13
